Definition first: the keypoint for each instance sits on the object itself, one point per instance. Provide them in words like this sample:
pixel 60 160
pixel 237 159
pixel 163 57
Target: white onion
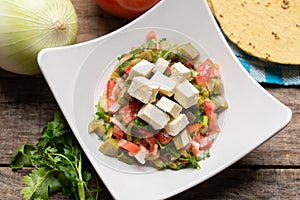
pixel 27 26
pixel 117 123
pixel 141 155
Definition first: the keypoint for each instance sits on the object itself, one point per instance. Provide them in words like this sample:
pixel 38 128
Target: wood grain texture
pixel 93 21
pixel 240 184
pixel 271 171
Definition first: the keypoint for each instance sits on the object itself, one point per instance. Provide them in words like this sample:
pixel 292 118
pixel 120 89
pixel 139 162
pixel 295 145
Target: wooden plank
pixel 26 105
pixel 233 183
pixel 93 21
pixel 248 184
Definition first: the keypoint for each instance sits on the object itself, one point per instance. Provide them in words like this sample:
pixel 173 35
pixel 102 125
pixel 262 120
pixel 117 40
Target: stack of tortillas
pixel 267 29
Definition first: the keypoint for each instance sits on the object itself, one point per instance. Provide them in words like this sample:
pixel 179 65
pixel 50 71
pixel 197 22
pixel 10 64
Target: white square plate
pixel 77 74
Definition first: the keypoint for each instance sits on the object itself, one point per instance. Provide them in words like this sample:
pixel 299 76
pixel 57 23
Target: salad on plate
pixel 160 106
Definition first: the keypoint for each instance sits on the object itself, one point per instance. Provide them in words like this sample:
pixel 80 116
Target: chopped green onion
pixel 204 120
pixel 165 54
pixel 101 114
pixel 108 126
pixel 124 65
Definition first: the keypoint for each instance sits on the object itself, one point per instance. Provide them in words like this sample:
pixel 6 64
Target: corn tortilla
pixel 267 29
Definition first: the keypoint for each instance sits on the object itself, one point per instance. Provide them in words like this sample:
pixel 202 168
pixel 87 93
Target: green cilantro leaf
pixel 22 157
pixel 58 164
pixel 40 182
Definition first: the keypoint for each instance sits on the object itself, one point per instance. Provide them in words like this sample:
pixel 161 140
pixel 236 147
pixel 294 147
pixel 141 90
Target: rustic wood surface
pixel 272 171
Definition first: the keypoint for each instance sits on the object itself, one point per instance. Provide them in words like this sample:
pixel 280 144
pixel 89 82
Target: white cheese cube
pixel 179 72
pixel 186 94
pixel 166 85
pixel 153 116
pixel 142 68
pixel 169 106
pixel 142 90
pixel 176 125
pixel 160 65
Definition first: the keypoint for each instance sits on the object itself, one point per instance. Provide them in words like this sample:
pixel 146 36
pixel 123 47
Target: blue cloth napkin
pixel 267 72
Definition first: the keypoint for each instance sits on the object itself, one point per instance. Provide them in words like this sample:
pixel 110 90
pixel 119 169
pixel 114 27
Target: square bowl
pixel 77 75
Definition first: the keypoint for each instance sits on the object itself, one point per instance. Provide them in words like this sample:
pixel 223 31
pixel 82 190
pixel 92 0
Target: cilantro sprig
pixel 58 164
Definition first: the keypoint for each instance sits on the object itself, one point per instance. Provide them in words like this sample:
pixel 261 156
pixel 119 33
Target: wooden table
pixel 272 171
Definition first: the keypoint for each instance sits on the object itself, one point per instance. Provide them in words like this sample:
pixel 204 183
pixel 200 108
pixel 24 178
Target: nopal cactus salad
pixel 160 106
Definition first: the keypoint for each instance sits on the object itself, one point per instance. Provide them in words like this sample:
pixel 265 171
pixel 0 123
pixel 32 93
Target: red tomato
pixel 193 128
pixel 163 137
pixel 198 138
pixel 110 102
pixel 213 125
pixel 129 146
pixel 128 9
pixel 130 111
pixel 194 150
pixel 208 69
pixel 208 108
pixel 117 132
pixel 199 80
pixel 109 88
pixel 151 35
pixel 212 116
pixel 128 69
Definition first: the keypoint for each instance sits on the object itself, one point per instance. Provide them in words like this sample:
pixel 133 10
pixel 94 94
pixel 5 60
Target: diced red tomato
pixel 128 69
pixel 117 132
pixel 151 35
pixel 129 146
pixel 110 102
pixel 208 69
pixel 198 138
pixel 163 137
pixel 109 88
pixel 199 80
pixel 213 125
pixel 193 127
pixel 130 111
pixel 208 108
pixel 194 150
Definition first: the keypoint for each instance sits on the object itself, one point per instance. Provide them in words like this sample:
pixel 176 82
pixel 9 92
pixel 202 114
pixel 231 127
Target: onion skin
pixel 28 26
